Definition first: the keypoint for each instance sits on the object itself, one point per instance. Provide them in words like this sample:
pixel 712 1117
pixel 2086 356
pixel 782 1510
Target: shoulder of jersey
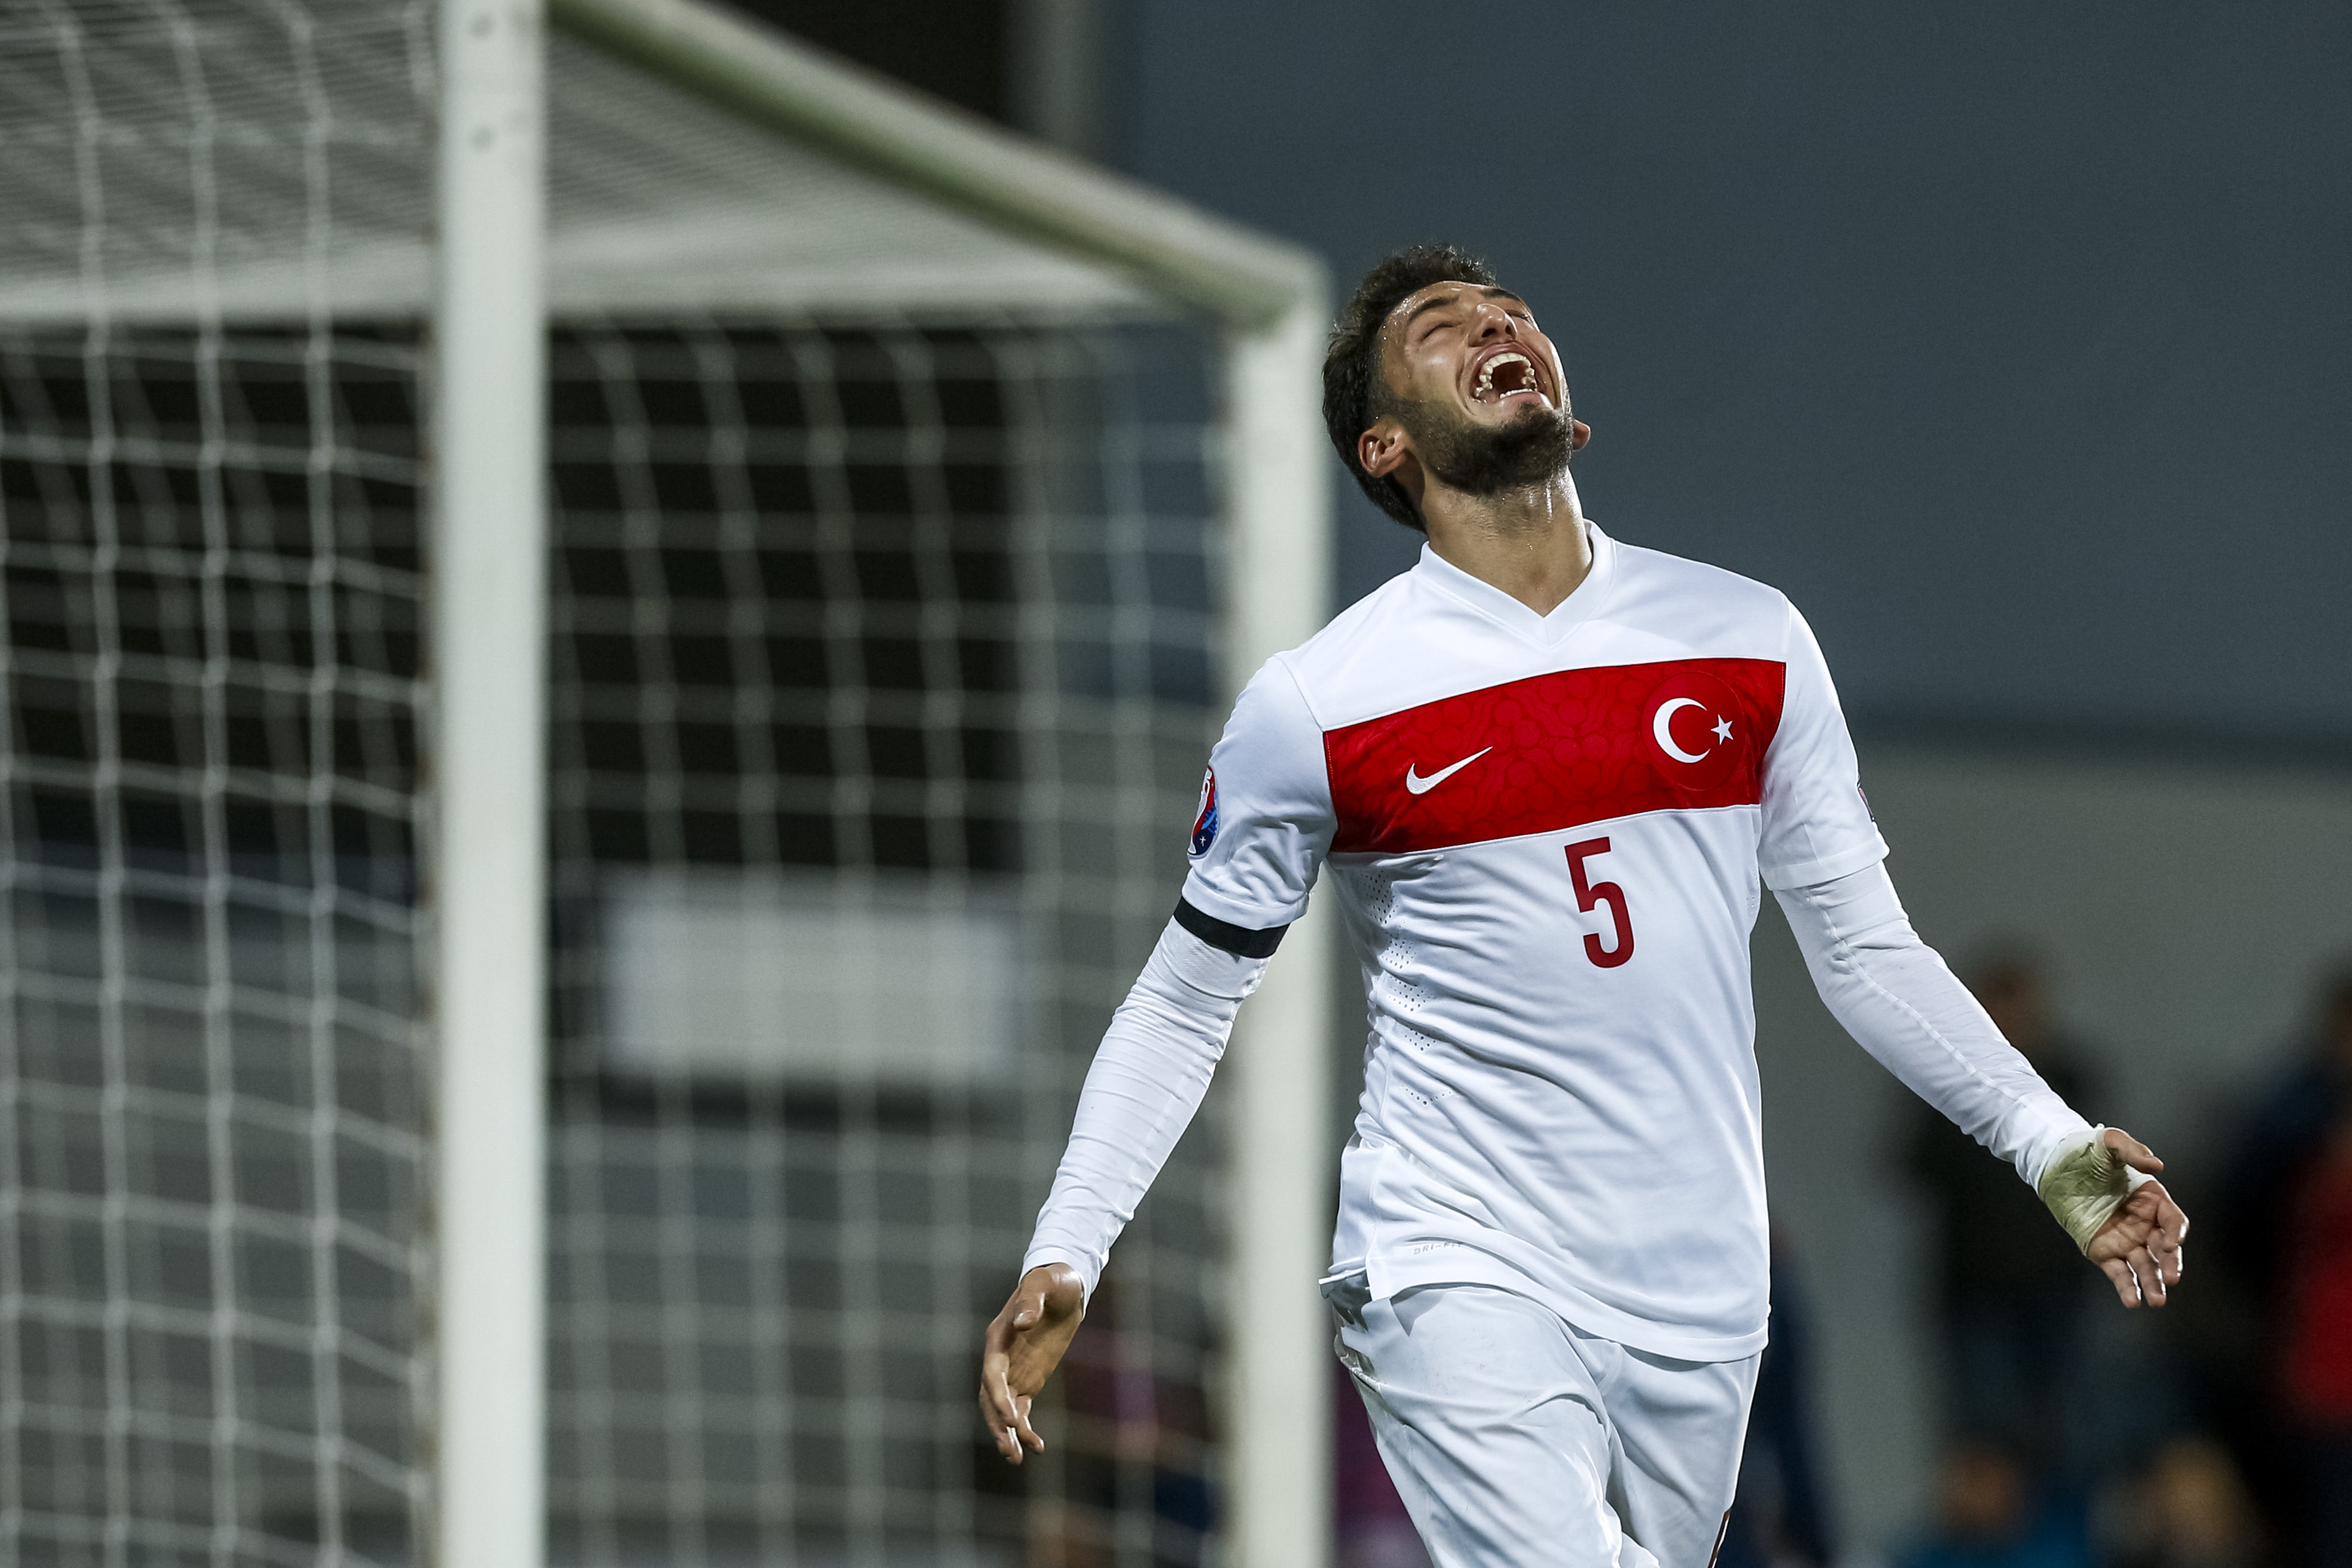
pixel 1364 619
pixel 1651 582
pixel 1366 632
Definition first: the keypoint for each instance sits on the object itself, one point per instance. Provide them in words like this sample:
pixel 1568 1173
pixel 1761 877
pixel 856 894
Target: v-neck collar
pixel 1546 631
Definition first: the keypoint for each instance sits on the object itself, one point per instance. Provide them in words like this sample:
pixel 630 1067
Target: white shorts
pixel 1516 1439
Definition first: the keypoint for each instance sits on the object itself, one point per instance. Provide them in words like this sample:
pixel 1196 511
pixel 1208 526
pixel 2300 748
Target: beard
pixel 1489 459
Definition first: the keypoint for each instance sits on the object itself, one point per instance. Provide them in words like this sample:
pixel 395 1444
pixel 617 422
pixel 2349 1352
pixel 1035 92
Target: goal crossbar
pixel 1248 279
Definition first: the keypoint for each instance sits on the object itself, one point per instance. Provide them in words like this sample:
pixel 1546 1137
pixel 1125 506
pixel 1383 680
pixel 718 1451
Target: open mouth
pixel 1509 374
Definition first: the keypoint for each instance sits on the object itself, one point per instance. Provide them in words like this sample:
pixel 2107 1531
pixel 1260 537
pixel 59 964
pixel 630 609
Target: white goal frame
pixel 488 873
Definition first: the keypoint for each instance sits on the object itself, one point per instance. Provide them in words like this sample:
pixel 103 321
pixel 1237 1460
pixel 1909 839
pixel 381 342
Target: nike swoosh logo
pixel 1420 786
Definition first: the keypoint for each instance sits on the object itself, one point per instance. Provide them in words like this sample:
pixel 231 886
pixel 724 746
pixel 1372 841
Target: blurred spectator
pixel 2286 1234
pixel 2186 1510
pixel 1990 1515
pixel 2290 1125
pixel 1778 1516
pixel 2316 1346
pixel 1373 1529
pixel 2011 1287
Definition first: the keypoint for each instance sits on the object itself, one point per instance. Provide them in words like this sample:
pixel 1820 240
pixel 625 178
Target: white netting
pixel 881 694
pixel 208 1046
pixel 882 685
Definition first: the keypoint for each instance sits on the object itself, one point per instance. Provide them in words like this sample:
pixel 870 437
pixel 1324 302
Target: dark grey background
pixel 2013 342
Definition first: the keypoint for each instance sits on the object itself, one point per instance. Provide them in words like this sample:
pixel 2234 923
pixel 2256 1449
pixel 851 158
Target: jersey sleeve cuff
pixel 1043 1251
pixel 1825 868
pixel 2058 1131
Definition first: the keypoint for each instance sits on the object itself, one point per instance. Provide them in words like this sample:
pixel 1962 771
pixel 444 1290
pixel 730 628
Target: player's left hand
pixel 2139 1249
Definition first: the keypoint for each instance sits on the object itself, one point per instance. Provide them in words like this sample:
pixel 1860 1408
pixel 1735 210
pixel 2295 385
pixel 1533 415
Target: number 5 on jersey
pixel 1590 894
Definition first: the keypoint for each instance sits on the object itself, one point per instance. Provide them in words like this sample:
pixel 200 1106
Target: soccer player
pixel 1544 772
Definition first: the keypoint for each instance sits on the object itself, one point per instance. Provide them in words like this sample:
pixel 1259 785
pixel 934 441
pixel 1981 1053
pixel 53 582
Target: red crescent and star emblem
pixel 1694 730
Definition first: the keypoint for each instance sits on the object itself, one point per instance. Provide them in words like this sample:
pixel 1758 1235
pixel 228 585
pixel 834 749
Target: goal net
pixel 881 668
pixel 890 622
pixel 209 1041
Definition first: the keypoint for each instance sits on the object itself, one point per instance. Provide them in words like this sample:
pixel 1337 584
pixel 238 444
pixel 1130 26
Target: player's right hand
pixel 1024 1345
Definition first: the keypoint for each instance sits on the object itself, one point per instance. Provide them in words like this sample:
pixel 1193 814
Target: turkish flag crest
pixel 1696 731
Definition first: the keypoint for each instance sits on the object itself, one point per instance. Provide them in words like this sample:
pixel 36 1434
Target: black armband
pixel 1225 936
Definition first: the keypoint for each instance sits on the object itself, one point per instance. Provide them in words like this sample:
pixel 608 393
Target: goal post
pixel 487 889
pixel 1280 1393
pixel 609 630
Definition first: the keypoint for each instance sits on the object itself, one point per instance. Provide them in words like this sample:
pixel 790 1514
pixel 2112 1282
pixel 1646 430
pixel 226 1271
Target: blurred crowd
pixel 2216 1434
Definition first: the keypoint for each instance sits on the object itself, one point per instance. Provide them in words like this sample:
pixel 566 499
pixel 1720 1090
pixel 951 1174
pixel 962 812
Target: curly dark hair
pixel 1355 392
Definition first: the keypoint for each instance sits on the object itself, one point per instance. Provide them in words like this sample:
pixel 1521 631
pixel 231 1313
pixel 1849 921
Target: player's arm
pixel 1263 828
pixel 1894 996
pixel 1146 1080
pixel 1821 854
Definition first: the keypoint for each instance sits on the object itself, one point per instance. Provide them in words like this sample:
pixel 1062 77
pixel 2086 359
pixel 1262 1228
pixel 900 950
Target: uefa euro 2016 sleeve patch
pixel 1204 824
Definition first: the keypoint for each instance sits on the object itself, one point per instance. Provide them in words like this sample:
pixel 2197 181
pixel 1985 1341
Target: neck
pixel 1530 543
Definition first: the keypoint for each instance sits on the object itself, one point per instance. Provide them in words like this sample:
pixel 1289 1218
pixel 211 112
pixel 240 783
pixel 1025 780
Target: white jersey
pixel 1546 833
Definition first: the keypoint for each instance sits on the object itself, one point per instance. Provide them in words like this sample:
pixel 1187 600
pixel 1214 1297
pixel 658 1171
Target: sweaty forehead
pixel 1437 295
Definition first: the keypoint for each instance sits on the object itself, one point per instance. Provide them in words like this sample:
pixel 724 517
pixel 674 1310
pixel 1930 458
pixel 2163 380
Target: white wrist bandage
pixel 2085 1183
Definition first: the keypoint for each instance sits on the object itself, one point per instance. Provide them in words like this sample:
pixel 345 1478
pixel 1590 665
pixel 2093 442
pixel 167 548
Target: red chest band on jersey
pixel 1553 752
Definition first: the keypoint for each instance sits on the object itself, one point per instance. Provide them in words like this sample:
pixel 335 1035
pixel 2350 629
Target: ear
pixel 1384 448
pixel 1578 432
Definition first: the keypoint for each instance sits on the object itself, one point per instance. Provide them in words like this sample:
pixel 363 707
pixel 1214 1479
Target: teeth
pixel 1485 386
